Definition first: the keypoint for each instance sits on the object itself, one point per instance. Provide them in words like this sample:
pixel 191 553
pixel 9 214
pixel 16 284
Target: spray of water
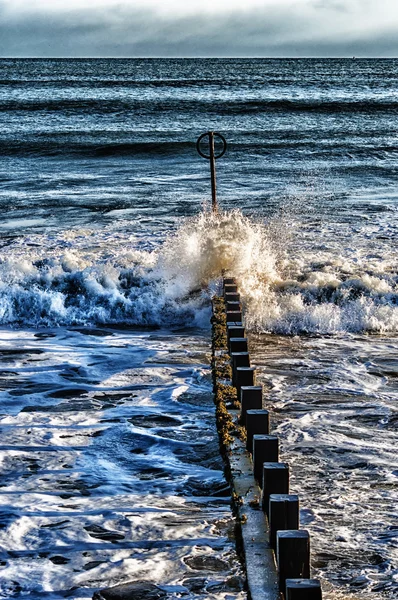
pixel 210 244
pixel 289 285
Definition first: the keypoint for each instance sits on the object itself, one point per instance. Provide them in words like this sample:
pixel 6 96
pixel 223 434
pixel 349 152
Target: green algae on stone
pixel 221 367
pixel 219 323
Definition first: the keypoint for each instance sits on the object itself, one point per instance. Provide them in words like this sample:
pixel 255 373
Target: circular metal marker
pixel 211 134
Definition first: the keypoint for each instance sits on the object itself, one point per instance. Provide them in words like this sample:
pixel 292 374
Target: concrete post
pixel 257 422
pixel 275 480
pixel 265 450
pixel 292 556
pixel 283 514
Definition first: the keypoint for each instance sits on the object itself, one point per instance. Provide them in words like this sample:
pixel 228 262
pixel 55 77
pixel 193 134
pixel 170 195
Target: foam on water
pixel 334 406
pixel 209 244
pixel 288 287
pixel 108 426
pixel 110 466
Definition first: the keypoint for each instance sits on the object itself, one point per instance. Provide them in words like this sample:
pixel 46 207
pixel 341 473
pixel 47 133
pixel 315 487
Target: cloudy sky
pixel 134 28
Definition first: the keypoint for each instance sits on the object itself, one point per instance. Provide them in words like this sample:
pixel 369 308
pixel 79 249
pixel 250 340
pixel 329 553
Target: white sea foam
pixel 122 447
pixel 335 415
pixel 289 284
pixel 211 243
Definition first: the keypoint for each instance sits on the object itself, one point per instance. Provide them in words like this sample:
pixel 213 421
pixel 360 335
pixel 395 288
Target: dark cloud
pixel 318 28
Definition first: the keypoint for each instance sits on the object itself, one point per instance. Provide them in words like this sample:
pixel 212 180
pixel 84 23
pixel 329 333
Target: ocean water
pixel 109 258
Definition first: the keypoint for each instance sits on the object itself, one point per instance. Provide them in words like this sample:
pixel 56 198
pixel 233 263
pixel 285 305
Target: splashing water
pixel 103 277
pixel 287 287
pixel 210 244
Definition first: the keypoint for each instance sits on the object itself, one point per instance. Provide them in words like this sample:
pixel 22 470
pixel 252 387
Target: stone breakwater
pixel 276 552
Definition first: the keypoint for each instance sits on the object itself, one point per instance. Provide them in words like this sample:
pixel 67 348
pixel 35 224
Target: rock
pixel 59 560
pixel 154 421
pixel 98 532
pixel 233 584
pixel 51 525
pixel 135 590
pixel 206 563
pixel 92 564
pixel 195 584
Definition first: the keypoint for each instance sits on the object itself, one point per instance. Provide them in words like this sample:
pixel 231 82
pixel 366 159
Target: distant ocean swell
pixel 227 107
pixel 101 82
pixel 66 145
pixel 173 285
pixel 80 144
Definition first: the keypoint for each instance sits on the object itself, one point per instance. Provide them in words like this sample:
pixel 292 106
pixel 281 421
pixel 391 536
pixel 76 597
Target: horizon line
pixel 198 57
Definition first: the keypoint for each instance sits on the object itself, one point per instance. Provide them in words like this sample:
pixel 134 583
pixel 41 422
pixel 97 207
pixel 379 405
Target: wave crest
pixel 104 278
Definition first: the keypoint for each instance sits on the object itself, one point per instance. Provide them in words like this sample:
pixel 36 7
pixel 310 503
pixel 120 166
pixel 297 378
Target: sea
pixel 110 255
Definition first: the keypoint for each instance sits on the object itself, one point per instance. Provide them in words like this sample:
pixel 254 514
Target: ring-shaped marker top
pixel 215 134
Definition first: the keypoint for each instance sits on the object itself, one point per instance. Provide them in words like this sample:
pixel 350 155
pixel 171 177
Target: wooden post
pixel 230 288
pixel 292 556
pixel 239 359
pixel 251 397
pixel 234 316
pixel 234 330
pixel 265 450
pixel 245 376
pixel 232 306
pixel 303 589
pixel 257 422
pixel 238 345
pixel 275 480
pixel 231 296
pixel 229 281
pixel 283 514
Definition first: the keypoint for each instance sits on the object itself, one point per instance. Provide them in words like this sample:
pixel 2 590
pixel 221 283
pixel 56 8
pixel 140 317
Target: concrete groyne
pixel 276 552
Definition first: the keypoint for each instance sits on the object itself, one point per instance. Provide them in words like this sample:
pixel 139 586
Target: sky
pixel 176 28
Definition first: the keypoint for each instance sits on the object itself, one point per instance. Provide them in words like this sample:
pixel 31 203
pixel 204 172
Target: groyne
pixel 275 551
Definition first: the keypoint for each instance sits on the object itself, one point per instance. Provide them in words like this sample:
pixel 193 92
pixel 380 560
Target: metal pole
pixel 212 157
pixel 213 173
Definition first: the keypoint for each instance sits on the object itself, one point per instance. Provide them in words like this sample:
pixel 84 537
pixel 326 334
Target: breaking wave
pixel 104 278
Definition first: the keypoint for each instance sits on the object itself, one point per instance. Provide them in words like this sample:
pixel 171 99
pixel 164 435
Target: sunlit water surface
pixel 109 454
